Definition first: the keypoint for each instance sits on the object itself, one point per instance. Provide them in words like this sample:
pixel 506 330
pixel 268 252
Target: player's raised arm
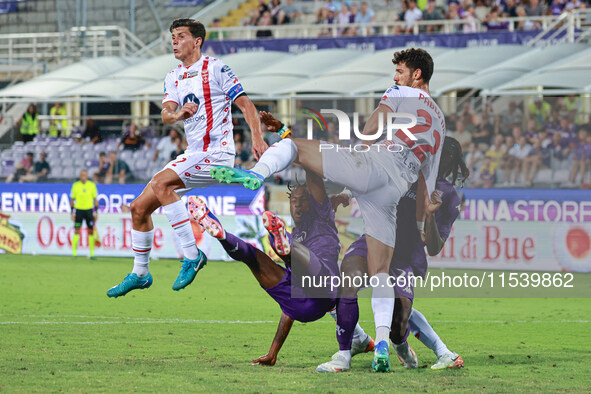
pixel 282 332
pixel 252 118
pixel 431 237
pixel 171 115
pixel 372 126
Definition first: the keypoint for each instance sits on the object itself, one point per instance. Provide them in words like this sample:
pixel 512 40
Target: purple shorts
pixel 295 304
pixel 402 288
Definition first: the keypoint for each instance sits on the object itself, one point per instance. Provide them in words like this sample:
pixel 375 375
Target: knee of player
pixel 137 208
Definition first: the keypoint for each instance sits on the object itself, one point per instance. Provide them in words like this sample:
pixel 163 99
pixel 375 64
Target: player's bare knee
pixel 138 209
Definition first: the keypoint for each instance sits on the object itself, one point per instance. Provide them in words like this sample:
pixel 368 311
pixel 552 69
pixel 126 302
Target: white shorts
pixel 193 168
pixel 375 191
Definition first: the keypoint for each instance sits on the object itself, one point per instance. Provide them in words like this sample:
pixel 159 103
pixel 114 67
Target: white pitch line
pixel 190 321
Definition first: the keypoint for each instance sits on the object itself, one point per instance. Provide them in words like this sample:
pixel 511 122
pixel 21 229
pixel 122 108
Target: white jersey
pixel 211 85
pixel 424 153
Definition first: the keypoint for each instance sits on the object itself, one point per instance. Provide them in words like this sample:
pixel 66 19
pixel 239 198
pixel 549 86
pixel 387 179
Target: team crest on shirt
pixel 301 237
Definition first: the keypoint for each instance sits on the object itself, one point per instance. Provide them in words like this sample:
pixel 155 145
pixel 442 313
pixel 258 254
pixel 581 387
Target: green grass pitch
pixel 60 332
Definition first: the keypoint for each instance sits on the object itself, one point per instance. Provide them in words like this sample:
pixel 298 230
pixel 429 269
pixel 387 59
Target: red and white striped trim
pixel 181 222
pixel 208 107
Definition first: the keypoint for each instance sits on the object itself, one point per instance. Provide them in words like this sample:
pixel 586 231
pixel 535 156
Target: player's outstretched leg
pixel 421 329
pixel 278 235
pixel 267 273
pixel 399 333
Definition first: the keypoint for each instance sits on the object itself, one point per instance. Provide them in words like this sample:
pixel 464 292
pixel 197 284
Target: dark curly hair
pixel 416 59
pixel 453 150
pixel 196 28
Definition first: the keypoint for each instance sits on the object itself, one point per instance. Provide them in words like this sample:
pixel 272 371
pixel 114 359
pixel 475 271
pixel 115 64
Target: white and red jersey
pixel 211 85
pixel 424 153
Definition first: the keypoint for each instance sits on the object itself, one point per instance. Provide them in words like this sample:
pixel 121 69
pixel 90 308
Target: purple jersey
pixel 319 234
pixel 410 250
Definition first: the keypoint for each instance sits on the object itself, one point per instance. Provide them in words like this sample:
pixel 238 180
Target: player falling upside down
pixel 312 249
pixel 409 259
pixel 378 178
pixel 203 88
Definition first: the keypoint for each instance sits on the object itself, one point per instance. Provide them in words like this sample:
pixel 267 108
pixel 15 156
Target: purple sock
pixel 347 317
pixel 272 240
pixel 238 249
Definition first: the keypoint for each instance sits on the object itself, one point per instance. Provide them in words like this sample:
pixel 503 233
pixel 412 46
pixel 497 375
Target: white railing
pixel 79 42
pixel 391 28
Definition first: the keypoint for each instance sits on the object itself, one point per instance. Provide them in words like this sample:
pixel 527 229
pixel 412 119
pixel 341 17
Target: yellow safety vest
pixel 54 130
pixel 29 125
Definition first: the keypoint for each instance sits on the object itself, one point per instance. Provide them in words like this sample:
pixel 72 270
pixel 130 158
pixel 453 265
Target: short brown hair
pixel 196 28
pixel 416 59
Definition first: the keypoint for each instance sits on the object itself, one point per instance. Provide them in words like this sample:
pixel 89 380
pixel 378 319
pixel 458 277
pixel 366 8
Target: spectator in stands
pixel 474 157
pixel 431 13
pixel 496 152
pixel 470 17
pixel 491 21
pixel 292 11
pixel 24 168
pixel 540 111
pixel 132 139
pixel 514 159
pixel 265 20
pixel 559 149
pixel 166 146
pixel 567 130
pixel 533 162
pixel 525 24
pixel 553 124
pixel 343 19
pixel 92 132
pixel 277 12
pixel 179 149
pixel 531 133
pixel 580 158
pixel 463 136
pixel 258 12
pixel 510 117
pixel 58 127
pixel 40 170
pixel 555 8
pixel 242 155
pixel 534 8
pixel 487 176
pixel 411 16
pixel 103 167
pixel 509 9
pixel 216 35
pixel 328 18
pixel 365 16
pixel 482 134
pixel 352 31
pixel 117 168
pixel 29 124
pixel 453 12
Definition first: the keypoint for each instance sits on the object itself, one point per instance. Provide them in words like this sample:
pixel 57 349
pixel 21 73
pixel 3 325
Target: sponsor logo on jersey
pixel 228 71
pixel 190 74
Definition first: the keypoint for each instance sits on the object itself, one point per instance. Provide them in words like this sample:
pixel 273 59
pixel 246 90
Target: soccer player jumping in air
pixel 199 91
pixel 378 178
pixel 409 259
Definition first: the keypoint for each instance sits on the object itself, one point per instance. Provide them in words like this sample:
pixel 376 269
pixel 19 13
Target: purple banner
pixel 299 45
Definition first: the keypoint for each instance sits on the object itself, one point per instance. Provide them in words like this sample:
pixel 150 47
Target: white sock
pixel 141 243
pixel 346 354
pixel 359 335
pixel 181 224
pixel 420 328
pixel 277 158
pixel 333 313
pixel 382 303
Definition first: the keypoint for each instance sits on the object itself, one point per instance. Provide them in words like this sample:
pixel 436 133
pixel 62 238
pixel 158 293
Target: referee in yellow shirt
pixel 84 207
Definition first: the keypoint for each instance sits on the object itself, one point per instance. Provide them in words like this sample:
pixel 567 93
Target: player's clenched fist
pixel 432 206
pixel 265 360
pixel 188 110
